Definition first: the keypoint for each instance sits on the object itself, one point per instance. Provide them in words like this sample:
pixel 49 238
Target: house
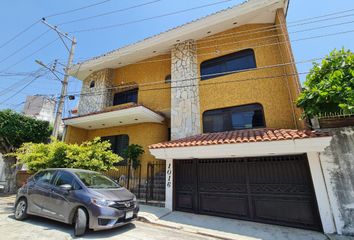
pixel 214 98
pixel 40 107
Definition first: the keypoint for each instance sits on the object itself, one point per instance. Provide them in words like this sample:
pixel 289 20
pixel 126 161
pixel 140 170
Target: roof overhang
pixel 252 11
pixel 285 147
pixel 121 117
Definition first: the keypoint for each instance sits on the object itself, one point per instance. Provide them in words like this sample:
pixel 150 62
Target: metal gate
pixel 275 189
pixel 155 184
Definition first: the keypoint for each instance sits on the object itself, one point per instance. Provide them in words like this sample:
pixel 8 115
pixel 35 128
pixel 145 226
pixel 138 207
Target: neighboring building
pixel 222 88
pixel 40 107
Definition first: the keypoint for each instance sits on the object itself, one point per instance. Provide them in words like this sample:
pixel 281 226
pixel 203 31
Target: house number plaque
pixel 169 175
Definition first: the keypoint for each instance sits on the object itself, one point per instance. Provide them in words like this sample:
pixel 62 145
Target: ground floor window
pixel 233 118
pixel 119 143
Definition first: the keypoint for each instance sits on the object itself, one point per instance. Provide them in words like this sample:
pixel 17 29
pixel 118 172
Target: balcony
pixel 114 116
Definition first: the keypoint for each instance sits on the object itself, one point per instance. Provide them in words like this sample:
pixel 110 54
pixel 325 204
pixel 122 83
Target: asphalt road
pixel 41 228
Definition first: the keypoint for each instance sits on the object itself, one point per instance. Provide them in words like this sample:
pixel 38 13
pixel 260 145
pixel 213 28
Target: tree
pixel 133 153
pixel 16 129
pixel 329 87
pixel 91 155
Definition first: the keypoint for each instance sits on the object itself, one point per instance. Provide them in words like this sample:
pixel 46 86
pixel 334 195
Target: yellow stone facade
pixel 266 85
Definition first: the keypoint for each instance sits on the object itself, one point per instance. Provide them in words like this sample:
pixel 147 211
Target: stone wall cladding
pixel 100 96
pixel 338 166
pixel 185 110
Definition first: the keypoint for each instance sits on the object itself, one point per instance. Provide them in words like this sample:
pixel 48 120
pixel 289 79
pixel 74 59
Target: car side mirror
pixel 65 187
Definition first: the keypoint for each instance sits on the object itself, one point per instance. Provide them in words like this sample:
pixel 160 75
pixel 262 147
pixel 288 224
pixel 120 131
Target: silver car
pixel 83 198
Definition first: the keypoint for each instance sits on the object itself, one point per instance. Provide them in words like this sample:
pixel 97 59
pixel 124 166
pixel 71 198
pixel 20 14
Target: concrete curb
pixel 182 228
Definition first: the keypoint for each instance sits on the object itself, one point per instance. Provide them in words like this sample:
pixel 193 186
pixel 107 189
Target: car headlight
pixel 102 202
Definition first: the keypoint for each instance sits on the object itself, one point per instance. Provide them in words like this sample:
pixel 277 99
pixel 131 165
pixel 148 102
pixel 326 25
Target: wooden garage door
pixel 274 190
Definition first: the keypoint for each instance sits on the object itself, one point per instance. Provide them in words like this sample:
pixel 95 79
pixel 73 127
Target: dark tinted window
pixel 67 178
pixel 126 97
pixel 227 64
pixel 233 118
pixel 44 177
pixel 118 143
pixel 96 180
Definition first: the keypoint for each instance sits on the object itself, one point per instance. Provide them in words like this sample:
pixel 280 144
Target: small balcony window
pixel 227 64
pixel 168 78
pixel 92 84
pixel 234 118
pixel 126 97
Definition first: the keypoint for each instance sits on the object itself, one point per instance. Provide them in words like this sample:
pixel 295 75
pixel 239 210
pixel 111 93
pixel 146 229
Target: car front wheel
pixel 21 209
pixel 80 222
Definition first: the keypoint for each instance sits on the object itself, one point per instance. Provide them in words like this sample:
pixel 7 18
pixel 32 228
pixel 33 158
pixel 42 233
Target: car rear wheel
pixel 80 222
pixel 21 209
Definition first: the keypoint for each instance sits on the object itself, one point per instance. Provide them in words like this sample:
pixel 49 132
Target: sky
pixel 17 58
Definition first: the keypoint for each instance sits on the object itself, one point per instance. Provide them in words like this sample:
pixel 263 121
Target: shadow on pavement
pixel 48 224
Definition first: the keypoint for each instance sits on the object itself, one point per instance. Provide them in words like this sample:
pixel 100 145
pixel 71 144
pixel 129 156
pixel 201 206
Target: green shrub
pixel 92 155
pixel 329 87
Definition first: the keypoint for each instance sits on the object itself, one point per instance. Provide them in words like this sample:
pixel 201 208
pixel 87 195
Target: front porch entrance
pixel 149 189
pixel 274 189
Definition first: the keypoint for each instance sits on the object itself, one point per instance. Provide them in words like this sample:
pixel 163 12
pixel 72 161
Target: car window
pixel 44 177
pixel 67 178
pixel 96 180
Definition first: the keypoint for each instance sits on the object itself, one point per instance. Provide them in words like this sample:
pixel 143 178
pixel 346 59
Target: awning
pixel 115 117
pixel 242 143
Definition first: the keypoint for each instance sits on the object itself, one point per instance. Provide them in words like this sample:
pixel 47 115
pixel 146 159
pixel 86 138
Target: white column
pixel 169 184
pixel 321 193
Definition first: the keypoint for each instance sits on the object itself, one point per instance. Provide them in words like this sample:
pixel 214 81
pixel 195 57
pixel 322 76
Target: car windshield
pixel 96 180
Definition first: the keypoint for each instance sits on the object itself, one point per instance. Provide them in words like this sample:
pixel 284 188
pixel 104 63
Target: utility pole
pixel 64 88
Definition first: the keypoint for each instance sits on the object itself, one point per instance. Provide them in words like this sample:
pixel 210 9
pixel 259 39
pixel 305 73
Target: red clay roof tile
pixel 241 136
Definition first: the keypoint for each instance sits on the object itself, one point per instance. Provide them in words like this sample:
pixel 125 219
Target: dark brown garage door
pixel 275 189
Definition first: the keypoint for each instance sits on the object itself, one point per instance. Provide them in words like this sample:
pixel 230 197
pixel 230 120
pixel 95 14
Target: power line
pixel 24 46
pixel 107 13
pixel 30 55
pixel 19 34
pixel 149 18
pixel 232 50
pixel 214 75
pixel 16 93
pixel 244 33
pixel 77 9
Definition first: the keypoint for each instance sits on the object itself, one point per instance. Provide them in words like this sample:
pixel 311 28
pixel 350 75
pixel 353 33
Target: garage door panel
pixel 272 189
pixel 184 201
pixel 222 187
pixel 230 204
pixel 299 211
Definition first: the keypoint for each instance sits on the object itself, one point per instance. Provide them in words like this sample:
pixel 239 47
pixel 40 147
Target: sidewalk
pixel 223 228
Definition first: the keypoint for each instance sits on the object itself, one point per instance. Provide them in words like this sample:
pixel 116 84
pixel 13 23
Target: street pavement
pixel 41 228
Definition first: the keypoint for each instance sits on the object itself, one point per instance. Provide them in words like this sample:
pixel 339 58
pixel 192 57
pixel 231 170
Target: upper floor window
pixel 168 78
pixel 92 84
pixel 126 97
pixel 233 118
pixel 227 64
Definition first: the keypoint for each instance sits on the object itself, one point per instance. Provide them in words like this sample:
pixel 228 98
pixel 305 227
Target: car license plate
pixel 128 214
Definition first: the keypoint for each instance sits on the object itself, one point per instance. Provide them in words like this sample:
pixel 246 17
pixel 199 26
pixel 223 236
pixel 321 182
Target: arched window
pixel 168 78
pixel 228 64
pixel 92 84
pixel 234 118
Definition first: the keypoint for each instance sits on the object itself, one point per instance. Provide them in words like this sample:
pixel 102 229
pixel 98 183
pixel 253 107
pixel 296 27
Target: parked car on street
pixel 86 199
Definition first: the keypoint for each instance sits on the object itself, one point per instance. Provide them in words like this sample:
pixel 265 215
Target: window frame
pixel 114 147
pixel 230 117
pixel 223 60
pixel 116 97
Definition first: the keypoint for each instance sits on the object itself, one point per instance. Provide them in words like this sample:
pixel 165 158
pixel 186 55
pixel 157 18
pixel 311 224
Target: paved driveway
pixel 40 228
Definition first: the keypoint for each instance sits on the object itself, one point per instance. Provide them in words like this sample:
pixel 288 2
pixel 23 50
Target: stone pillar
pixel 185 111
pixel 169 185
pixel 97 97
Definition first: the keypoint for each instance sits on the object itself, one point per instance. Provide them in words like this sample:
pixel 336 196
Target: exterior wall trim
pixel 322 196
pixel 296 146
